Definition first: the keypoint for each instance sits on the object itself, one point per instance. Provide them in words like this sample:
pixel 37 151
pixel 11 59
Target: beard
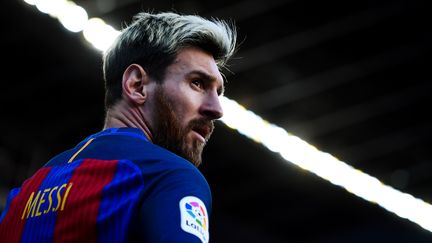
pixel 170 134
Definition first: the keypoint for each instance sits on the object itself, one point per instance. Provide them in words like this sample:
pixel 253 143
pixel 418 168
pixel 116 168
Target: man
pixel 137 179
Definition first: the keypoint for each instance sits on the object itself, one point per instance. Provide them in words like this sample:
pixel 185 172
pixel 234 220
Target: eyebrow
pixel 208 78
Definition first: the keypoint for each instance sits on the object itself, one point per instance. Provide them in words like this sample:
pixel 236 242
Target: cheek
pixel 186 106
pixel 185 102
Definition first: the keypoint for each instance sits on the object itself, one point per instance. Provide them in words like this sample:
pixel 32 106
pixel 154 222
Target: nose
pixel 211 107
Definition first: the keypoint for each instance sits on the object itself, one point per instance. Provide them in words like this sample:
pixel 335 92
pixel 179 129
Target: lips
pixel 203 131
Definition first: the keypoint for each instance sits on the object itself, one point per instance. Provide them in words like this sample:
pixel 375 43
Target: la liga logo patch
pixel 194 218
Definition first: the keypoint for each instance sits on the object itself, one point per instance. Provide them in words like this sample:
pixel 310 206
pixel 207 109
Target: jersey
pixel 114 186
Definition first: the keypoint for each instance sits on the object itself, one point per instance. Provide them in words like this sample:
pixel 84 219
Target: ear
pixel 134 84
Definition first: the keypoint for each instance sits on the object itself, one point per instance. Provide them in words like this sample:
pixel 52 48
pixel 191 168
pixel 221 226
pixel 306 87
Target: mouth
pixel 203 132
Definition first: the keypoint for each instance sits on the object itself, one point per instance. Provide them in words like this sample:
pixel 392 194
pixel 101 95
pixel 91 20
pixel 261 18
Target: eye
pixel 198 83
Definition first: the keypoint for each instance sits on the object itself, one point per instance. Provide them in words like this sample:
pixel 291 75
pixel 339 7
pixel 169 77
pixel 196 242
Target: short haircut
pixel 154 40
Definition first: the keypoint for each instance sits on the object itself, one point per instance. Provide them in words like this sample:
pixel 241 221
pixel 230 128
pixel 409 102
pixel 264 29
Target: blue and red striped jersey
pixel 114 186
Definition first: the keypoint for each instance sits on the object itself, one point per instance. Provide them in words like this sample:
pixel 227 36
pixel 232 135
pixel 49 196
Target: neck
pixel 123 114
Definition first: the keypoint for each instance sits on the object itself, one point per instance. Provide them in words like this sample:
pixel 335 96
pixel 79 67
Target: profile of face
pixel 186 103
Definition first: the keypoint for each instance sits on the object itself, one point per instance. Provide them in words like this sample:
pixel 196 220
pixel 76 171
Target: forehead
pixel 195 60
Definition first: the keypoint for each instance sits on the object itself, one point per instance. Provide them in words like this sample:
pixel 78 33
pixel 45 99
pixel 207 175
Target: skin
pixel 188 98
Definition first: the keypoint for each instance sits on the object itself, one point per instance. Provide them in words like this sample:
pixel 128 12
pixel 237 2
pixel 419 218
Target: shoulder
pixel 177 192
pixel 160 169
pixel 174 174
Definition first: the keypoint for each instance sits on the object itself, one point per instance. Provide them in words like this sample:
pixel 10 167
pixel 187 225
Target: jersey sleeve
pixel 177 209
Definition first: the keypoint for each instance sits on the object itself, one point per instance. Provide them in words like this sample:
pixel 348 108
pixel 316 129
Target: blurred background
pixel 350 77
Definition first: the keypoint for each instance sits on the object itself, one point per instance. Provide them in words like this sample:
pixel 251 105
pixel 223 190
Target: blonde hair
pixel 153 41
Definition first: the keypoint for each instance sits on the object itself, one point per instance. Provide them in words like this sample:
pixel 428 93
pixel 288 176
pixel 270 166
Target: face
pixel 186 103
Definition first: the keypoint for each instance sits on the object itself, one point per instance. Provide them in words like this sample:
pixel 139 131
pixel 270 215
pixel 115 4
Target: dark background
pixel 350 77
